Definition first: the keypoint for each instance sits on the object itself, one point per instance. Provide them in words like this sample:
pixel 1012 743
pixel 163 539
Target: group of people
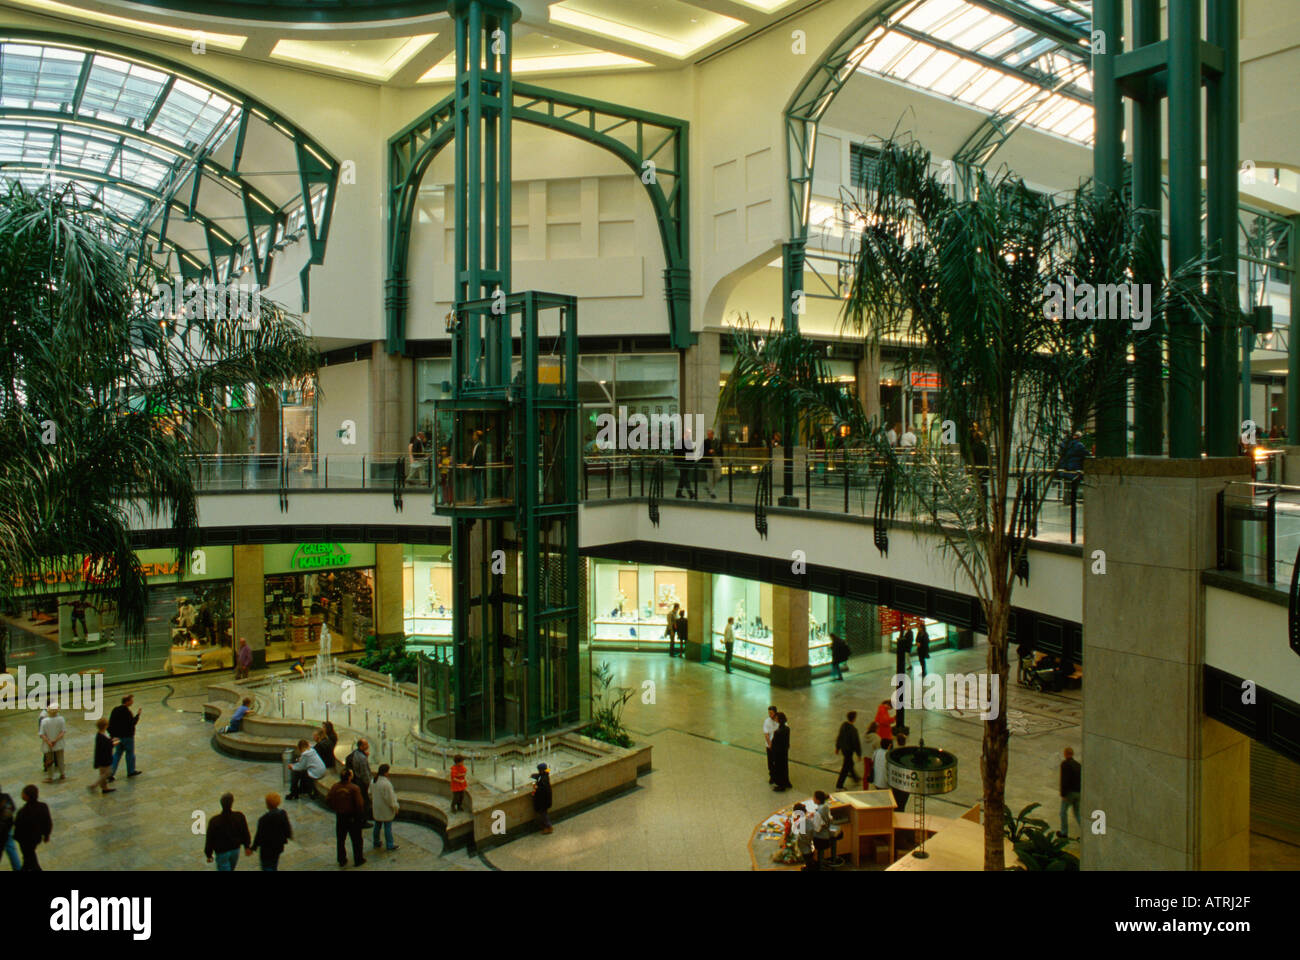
pixel 675 631
pixel 25 829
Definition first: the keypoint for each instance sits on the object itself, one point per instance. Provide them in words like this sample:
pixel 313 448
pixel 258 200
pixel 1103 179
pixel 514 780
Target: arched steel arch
pixel 659 140
pixel 823 82
pixel 316 167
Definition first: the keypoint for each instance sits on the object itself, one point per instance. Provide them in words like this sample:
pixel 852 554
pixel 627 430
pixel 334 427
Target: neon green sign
pixel 319 556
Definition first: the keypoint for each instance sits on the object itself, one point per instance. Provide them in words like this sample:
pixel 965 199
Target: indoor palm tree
pixel 102 396
pixel 961 285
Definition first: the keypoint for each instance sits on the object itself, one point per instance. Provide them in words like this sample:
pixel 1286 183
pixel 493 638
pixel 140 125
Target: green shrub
pixel 607 703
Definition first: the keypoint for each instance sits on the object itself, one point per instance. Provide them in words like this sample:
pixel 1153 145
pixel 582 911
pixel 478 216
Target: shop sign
pixel 205 563
pixel 319 556
pixel 924 381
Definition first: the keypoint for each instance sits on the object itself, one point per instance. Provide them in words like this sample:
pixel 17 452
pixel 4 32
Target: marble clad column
pixel 1173 784
pixel 869 381
pixel 249 601
pixel 700 375
pixel 388 593
pixel 699 617
pixel 392 400
pixel 790 638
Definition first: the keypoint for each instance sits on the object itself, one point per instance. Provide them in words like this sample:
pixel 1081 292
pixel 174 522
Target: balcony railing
pixel 824 482
pixel 1259 531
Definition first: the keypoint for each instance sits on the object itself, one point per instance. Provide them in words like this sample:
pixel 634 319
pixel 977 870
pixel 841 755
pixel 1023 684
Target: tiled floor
pixel 148 823
pixel 696 810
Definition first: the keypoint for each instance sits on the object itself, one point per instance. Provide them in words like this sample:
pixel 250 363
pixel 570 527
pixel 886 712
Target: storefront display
pixel 311 585
pixel 188 620
pixel 893 623
pixel 427 593
pixel 629 603
pixel 750 603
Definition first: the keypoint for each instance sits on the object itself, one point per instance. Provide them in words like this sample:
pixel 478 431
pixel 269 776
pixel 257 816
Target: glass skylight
pixel 996 62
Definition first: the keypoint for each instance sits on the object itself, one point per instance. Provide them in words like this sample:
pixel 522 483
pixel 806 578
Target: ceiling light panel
pixel 666 26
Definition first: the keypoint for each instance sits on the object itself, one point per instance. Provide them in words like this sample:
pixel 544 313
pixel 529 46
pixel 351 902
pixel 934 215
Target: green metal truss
pixel 303 11
pixel 647 138
pixel 193 164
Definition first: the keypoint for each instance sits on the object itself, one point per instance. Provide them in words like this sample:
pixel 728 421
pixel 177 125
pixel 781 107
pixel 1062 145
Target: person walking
pixel 415 451
pixel 386 808
pixel 103 761
pixel 839 656
pixel 905 651
pixel 227 832
pixel 305 771
pixel 682 633
pixel 769 728
pixel 685 473
pixel 781 755
pixel 1071 790
pixel 46 757
pixel 459 782
pixel 8 845
pixel 728 639
pixel 1073 454
pixel 542 796
pixel 243 660
pixel 822 840
pixel 121 727
pixel 709 464
pixel 849 746
pixel 358 762
pixel 54 729
pixel 884 721
pixel 32 826
pixel 880 765
pixel 345 800
pixel 922 647
pixel 670 631
pixel 273 833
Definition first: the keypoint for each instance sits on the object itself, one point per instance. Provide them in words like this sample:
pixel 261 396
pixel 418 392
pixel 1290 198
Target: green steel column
pixel 1108 171
pixel 1222 423
pixel 1148 346
pixel 792 262
pixel 1184 221
pixel 1293 348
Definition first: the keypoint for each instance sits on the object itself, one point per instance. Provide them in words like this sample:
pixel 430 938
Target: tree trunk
pixel 993 760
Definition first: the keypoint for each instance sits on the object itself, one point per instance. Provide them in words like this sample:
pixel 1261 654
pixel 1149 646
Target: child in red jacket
pixel 459 782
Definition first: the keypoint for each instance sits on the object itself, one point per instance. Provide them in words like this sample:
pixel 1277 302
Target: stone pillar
pixel 869 381
pixel 388 593
pixel 790 638
pixel 700 375
pixel 249 600
pixel 268 425
pixel 699 616
pixel 1174 785
pixel 392 400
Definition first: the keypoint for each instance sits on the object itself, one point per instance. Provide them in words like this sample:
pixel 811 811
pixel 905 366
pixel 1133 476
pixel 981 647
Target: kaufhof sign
pixel 320 556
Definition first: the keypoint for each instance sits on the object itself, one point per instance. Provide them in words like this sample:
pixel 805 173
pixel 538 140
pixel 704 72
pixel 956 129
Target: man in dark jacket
pixel 121 727
pixel 1071 788
pixel 32 825
pixel 349 809
pixel 273 832
pixel 840 653
pixel 227 832
pixel 709 463
pixel 1073 453
pixel 922 648
pixel 542 796
pixel 848 745
pixel 7 842
pixel 358 762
